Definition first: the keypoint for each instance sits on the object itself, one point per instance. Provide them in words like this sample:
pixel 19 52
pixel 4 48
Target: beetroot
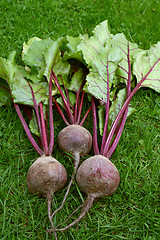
pixel 97 177
pixel 46 176
pixel 75 139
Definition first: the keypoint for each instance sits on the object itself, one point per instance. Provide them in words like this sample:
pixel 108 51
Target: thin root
pixel 87 204
pixel 50 219
pixel 69 185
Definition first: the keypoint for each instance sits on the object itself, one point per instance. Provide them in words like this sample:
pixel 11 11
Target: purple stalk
pixel 77 101
pixel 85 116
pixel 33 142
pixel 120 114
pixel 95 142
pixel 68 110
pixel 66 91
pixel 121 127
pixel 37 114
pixel 107 111
pixel 51 127
pixel 44 131
pixel 76 106
pixel 46 124
pixel 80 108
pixel 60 112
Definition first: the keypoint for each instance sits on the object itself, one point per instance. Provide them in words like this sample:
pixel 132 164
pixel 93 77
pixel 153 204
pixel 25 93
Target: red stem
pixel 44 135
pixel 80 109
pixel 95 142
pixel 33 142
pixel 66 91
pixel 107 112
pixel 121 127
pixel 84 118
pixel 51 125
pixel 37 114
pixel 67 107
pixel 60 112
pixel 77 101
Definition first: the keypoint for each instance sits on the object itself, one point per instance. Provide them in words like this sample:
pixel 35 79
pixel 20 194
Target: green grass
pixel 132 212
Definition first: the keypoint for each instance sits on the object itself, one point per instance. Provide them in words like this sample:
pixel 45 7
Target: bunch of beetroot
pixel 104 71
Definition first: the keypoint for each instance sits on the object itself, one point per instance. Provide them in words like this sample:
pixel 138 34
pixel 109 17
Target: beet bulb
pixel 97 177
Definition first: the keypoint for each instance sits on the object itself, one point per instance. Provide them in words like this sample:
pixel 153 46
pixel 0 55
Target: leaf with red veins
pixel 143 62
pixel 119 40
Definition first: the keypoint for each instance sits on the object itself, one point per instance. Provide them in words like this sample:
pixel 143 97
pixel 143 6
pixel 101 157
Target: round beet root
pixel 98 176
pixel 46 176
pixel 75 139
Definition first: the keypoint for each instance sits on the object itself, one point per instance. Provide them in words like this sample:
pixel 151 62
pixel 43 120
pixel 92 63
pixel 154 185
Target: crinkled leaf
pixel 61 67
pixel 6 75
pixel 119 40
pixel 97 44
pixel 54 60
pixel 27 46
pixel 43 55
pixel 32 53
pixel 21 91
pixel 96 84
pixel 19 87
pixel 6 69
pixel 144 60
pixel 99 53
pixel 72 51
pixel 77 80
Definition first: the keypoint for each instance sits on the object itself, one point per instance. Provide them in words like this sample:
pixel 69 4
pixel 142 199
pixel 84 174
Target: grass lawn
pixel 132 212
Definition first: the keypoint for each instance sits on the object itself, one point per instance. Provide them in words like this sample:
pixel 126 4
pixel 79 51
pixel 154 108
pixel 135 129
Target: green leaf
pixel 61 67
pixel 53 60
pixel 144 60
pixel 96 83
pixel 77 80
pixel 101 117
pixel 99 53
pixel 97 44
pixel 119 40
pixel 6 69
pixel 5 97
pixel 113 111
pixel 72 51
pixel 44 55
pixel 21 91
pixel 32 53
pixel 33 125
pixel 16 77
